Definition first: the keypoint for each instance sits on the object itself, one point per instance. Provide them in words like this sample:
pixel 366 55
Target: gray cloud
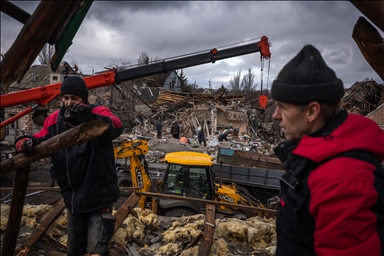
pixel 115 31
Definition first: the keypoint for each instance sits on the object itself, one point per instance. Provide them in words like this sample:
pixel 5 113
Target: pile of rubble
pixel 253 128
pixel 363 97
pixel 150 234
pixel 212 112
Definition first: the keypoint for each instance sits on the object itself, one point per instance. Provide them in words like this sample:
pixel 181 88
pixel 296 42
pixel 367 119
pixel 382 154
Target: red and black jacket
pixel 86 173
pixel 332 193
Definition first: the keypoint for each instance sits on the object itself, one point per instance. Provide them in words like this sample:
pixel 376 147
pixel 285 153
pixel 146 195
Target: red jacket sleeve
pixel 342 196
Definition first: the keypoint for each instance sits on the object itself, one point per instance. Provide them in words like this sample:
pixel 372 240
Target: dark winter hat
pixel 74 85
pixel 307 78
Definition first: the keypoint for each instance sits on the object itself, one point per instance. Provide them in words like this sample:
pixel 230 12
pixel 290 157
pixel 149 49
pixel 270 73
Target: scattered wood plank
pixel 195 241
pixel 24 249
pixel 55 248
pixel 125 209
pixel 16 211
pixel 363 97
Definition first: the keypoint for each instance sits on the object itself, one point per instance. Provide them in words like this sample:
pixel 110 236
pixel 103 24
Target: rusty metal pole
pixel 16 211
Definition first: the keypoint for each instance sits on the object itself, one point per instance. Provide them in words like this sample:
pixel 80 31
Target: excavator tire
pixel 179 212
pixel 125 182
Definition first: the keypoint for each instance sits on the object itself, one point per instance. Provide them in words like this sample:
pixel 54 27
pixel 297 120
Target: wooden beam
pixel 24 249
pixel 125 209
pixel 373 10
pixel 192 119
pixel 76 135
pixel 370 43
pixel 195 241
pixel 14 11
pixel 54 247
pixel 207 130
pixel 31 39
pixel 16 211
pixel 209 230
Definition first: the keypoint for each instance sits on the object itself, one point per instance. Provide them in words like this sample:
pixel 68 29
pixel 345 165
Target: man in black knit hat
pixel 332 191
pixel 86 173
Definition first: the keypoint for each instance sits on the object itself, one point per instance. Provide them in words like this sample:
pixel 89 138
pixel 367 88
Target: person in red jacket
pixel 332 191
pixel 86 172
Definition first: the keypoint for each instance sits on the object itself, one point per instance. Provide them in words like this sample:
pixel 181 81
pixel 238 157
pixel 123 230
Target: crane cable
pixel 263 99
pixel 261 73
pixel 262 67
pixel 269 66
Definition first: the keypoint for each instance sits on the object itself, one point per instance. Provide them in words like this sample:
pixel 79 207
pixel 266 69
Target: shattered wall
pixel 363 97
pixel 232 119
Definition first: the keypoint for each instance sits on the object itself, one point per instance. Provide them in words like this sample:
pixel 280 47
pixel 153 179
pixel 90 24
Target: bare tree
pixel 46 54
pixel 118 66
pixel 248 80
pixel 122 97
pixel 234 83
pixel 145 60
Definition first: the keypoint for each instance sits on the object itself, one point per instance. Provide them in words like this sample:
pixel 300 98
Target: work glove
pixel 24 144
pixel 79 113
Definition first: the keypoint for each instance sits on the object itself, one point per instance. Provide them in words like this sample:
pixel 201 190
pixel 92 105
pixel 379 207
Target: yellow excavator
pixel 188 174
pixel 136 173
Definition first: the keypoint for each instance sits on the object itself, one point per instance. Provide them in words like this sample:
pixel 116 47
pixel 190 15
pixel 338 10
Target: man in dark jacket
pixel 86 172
pixel 223 136
pixel 200 137
pixel 159 128
pixel 332 192
pixel 175 130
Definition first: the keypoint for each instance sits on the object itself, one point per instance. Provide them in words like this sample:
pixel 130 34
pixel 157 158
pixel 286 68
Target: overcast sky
pixel 119 31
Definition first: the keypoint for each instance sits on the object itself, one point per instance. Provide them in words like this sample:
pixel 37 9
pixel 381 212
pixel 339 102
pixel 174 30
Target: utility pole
pixel 93 71
pixel 195 81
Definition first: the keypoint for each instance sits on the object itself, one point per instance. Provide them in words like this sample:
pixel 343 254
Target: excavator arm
pixel 135 151
pixel 42 95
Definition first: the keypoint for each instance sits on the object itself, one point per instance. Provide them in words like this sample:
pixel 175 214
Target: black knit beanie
pixel 307 78
pixel 74 85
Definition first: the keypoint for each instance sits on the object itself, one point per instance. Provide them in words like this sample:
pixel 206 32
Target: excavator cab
pixel 189 181
pixel 190 174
